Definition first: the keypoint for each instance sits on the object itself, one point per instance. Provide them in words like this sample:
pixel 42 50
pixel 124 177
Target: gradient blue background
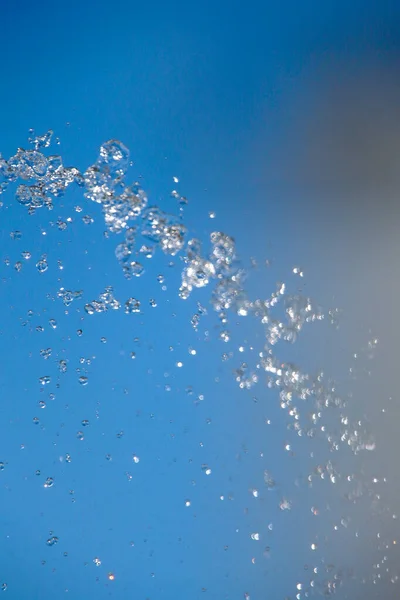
pixel 204 92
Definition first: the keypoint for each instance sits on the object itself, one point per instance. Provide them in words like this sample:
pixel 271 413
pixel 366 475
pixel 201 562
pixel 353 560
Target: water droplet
pixel 42 266
pixel 135 458
pixel 83 380
pixel 97 561
pixel 132 306
pixel 285 504
pixel 206 469
pixel 49 482
pixel 52 541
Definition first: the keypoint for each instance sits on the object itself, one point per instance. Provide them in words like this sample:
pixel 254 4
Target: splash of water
pixel 311 402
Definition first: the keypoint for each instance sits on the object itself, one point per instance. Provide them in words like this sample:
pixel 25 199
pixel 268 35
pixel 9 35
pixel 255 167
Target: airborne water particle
pixel 80 435
pixel 42 266
pixel 285 504
pixel 52 541
pixel 83 380
pixel 97 561
pixel 132 305
pixel 35 420
pixel 49 482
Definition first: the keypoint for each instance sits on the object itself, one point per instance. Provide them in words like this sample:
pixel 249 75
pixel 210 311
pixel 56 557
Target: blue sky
pixel 206 93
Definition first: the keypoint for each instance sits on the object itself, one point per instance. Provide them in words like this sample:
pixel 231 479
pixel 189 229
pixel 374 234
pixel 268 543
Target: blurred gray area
pixel 336 167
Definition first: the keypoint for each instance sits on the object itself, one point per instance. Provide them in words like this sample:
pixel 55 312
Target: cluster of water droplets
pixel 305 398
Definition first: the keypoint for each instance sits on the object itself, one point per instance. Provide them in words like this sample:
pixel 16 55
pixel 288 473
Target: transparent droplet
pixel 52 540
pixel 49 482
pixel 42 266
pixel 97 561
pixel 83 380
pixel 132 305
